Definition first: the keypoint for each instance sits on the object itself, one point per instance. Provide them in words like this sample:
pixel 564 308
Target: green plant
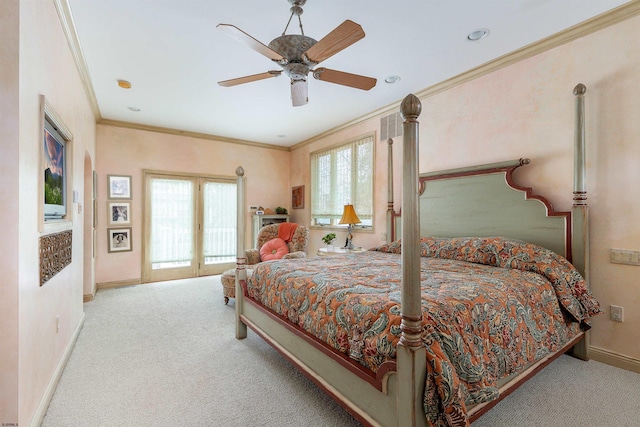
pixel 329 238
pixel 281 211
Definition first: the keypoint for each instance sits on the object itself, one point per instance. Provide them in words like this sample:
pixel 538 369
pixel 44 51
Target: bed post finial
pixel 410 108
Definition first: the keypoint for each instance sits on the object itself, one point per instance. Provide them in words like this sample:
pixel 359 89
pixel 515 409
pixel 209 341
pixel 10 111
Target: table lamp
pixel 349 217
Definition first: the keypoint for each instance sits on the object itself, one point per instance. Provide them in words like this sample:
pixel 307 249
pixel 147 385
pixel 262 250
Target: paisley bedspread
pixel 490 307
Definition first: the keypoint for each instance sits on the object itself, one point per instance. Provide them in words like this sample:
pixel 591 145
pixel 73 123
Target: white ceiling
pixel 173 55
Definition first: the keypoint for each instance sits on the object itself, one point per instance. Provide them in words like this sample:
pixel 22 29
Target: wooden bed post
pixel 390 212
pixel 241 261
pixel 579 211
pixel 411 354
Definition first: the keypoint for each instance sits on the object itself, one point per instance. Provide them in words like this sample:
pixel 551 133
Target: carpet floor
pixel 165 354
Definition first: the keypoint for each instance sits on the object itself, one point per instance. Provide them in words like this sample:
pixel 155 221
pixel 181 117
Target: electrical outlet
pixel 616 313
pixel 383 237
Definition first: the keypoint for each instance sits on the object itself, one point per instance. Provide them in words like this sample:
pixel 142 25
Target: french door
pixel 189 226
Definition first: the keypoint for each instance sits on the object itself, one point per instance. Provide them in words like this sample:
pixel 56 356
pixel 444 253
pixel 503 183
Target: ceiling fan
pixel 298 54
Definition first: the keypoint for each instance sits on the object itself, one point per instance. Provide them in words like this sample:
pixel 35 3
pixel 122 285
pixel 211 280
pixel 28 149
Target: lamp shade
pixel 349 216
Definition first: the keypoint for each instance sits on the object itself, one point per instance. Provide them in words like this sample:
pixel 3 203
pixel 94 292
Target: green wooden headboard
pixel 483 201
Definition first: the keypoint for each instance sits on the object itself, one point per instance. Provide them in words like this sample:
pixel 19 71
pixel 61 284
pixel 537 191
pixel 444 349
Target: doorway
pixel 189 226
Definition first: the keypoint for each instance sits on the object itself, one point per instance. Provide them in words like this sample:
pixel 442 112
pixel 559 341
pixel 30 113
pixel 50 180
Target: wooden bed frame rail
pixel 398 398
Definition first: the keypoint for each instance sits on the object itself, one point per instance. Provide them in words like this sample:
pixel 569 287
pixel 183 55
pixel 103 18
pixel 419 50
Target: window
pixel 339 176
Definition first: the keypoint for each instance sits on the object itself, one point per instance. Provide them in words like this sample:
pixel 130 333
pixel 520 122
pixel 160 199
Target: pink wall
pixel 32 347
pixel 130 151
pixel 9 214
pixel 527 110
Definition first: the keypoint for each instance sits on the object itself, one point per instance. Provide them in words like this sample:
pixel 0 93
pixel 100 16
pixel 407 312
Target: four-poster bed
pixel 410 341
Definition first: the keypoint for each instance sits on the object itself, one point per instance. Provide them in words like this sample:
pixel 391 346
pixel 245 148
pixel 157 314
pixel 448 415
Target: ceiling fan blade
pixel 343 36
pixel 254 44
pixel 252 78
pixel 346 79
pixel 299 92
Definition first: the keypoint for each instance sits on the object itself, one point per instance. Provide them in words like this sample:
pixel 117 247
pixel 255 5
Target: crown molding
pixel 197 135
pixel 68 27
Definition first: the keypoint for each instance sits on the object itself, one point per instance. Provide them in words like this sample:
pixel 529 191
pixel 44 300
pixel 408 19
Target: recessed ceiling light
pixel 392 79
pixel 124 84
pixel 478 34
pixel 136 109
pixel 281 135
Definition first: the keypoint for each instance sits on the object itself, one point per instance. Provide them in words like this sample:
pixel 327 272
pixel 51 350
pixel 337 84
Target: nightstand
pixel 337 251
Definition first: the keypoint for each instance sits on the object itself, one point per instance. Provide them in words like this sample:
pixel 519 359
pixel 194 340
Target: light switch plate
pixel 625 256
pixel 616 313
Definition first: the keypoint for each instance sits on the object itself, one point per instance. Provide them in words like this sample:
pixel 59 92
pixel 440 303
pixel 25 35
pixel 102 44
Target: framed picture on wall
pixel 297 197
pixel 119 239
pixel 119 186
pixel 119 213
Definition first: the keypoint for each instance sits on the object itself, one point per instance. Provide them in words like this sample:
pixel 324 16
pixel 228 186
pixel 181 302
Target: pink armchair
pixel 297 244
pixel 296 241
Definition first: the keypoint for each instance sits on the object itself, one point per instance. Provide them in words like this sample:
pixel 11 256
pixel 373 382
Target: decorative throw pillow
pixel 273 249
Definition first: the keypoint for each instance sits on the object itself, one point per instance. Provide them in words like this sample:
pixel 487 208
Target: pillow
pixel 273 249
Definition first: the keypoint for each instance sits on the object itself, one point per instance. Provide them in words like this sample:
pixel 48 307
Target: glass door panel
pixel 218 226
pixel 170 228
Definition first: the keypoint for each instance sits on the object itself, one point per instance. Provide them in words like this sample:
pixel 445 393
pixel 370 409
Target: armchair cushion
pixel 274 249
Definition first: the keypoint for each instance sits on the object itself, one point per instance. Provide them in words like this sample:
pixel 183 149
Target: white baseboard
pixel 36 421
pixel 614 359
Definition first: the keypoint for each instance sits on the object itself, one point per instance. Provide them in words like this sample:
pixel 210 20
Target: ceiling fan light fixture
pixel 477 35
pixel 299 92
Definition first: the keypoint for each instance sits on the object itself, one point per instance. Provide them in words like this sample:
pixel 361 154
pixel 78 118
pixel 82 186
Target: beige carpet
pixel 164 354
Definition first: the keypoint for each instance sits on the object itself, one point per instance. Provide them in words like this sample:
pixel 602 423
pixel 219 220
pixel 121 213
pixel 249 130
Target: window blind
pixel 343 175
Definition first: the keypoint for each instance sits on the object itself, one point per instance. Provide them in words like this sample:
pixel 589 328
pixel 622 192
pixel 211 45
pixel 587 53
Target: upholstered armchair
pixel 284 240
pixel 294 235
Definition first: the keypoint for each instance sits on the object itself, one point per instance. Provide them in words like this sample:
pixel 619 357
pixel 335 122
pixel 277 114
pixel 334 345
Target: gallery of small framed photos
pixel 119 213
